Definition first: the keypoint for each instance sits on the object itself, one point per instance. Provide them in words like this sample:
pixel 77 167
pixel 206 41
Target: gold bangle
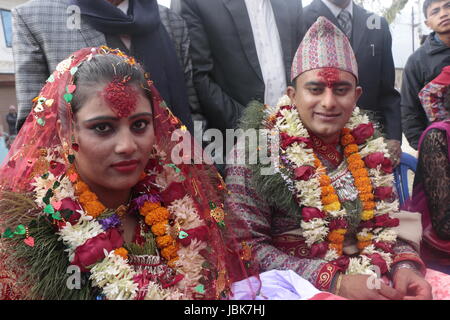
pixel 338 284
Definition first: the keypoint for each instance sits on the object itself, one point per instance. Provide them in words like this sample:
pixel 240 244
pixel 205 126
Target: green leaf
pixel 200 288
pixel 49 209
pixel 56 184
pixel 68 97
pixel 45 176
pixel 183 235
pixel 20 230
pixel 71 158
pixel 8 234
pixel 56 215
pixel 41 122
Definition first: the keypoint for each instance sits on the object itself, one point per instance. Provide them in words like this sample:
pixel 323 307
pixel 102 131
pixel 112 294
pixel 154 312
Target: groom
pixel 324 214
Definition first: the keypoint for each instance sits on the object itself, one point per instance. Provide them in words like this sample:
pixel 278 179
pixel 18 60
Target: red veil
pixel 27 159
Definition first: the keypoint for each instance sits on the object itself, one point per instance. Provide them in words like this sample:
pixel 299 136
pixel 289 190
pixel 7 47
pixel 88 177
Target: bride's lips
pixel 126 166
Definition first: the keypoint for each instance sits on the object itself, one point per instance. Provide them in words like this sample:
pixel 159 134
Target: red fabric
pixel 202 182
pixel 444 77
pixel 93 250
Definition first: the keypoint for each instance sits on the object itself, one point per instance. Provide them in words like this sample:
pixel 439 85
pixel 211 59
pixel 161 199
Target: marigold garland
pixel 157 217
pixel 316 230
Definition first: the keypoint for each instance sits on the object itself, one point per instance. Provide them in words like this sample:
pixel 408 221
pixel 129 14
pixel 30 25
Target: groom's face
pixel 325 99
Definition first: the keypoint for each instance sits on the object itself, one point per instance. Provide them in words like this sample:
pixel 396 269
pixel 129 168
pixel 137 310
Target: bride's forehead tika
pixel 120 97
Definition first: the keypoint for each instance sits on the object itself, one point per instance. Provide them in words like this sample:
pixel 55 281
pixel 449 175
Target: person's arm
pixel 196 111
pixel 389 98
pixel 433 159
pixel 220 109
pixel 31 69
pixel 414 119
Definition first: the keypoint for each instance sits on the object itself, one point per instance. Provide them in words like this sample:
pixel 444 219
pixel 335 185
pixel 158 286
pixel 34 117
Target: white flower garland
pixel 308 193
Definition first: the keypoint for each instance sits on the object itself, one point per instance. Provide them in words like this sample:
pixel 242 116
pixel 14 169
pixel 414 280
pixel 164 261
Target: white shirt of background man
pixel 336 10
pixel 268 48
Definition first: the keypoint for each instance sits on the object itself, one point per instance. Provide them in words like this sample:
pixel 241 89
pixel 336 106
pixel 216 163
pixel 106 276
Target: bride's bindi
pixel 121 98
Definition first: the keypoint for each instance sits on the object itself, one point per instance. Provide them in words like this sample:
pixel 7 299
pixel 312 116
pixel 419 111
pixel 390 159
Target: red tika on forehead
pixel 330 76
pixel 122 99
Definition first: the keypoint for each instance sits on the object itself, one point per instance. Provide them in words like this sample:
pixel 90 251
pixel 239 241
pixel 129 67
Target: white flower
pixel 380 179
pixel 331 255
pixel 184 209
pixel 115 277
pixel 284 101
pixel 360 265
pixel 386 256
pixel 41 186
pixel 357 119
pixel 387 235
pixel 314 224
pixel 155 292
pixel 190 260
pixel 76 235
pixel 383 207
pixel 375 145
pixel 337 214
pixel 315 235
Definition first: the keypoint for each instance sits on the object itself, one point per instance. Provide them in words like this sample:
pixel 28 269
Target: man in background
pixel 241 51
pixel 371 41
pixel 46 32
pixel 425 64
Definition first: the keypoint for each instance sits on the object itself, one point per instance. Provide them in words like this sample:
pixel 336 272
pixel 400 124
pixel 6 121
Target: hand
pixel 412 285
pixel 357 287
pixel 395 151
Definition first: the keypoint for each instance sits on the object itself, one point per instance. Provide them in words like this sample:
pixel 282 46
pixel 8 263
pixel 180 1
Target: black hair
pixel 427 4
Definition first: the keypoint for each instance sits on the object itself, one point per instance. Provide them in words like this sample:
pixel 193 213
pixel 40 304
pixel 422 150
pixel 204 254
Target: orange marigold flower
pixel 362 182
pixel 345 131
pixel 360 173
pixel 160 229
pixel 369 205
pixel 366 189
pixel 366 196
pixel 148 207
pixel 332 198
pixel 94 208
pixel 354 157
pixel 81 187
pixel 121 252
pixel 347 139
pixel 326 190
pixel 164 241
pixel 356 165
pixel 172 263
pixel 169 252
pixel 350 149
pixel 317 163
pixel 87 196
pixel 363 244
pixel 157 215
pixel 335 237
pixel 325 180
